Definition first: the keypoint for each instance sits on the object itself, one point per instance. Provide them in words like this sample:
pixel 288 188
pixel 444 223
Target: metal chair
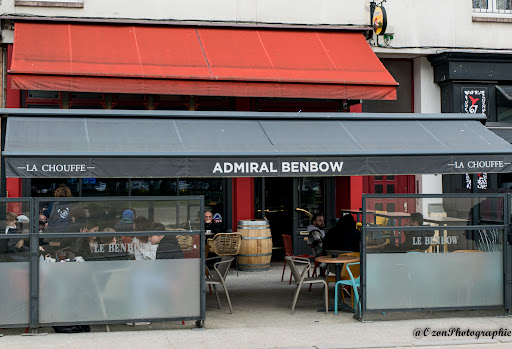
pixel 354 282
pixel 301 279
pixel 219 277
pixel 288 251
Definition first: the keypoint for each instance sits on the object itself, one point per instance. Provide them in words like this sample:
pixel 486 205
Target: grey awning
pixel 501 129
pixel 506 91
pixel 230 144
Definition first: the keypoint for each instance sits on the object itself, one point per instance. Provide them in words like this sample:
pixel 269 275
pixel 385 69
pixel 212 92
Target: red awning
pixel 197 61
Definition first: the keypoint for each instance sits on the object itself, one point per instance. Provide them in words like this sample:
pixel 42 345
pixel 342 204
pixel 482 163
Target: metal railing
pixel 430 267
pixel 108 282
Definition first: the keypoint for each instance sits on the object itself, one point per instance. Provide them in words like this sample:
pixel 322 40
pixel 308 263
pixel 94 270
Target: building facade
pixel 418 38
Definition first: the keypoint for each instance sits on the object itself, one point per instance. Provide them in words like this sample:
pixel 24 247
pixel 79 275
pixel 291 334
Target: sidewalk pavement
pixel 262 319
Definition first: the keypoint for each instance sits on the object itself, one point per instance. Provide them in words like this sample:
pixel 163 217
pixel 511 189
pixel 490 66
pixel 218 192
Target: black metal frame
pixel 34 237
pixel 507 250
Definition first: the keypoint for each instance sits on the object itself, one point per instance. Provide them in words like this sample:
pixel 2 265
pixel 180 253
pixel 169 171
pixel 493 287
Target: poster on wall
pixel 481 181
pixel 474 100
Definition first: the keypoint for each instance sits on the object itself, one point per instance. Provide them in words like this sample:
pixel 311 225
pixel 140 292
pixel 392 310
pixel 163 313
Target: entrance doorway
pixel 274 202
pixel 277 199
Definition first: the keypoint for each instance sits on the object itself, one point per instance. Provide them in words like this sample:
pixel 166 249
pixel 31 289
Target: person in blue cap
pixel 126 222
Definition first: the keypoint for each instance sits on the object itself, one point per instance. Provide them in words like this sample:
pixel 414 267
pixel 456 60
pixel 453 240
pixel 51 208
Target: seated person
pixel 414 240
pixel 210 226
pixel 168 247
pixel 344 236
pixel 15 245
pixel 126 222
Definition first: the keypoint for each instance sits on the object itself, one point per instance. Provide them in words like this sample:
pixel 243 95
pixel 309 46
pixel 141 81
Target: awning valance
pixel 197 61
pixel 89 143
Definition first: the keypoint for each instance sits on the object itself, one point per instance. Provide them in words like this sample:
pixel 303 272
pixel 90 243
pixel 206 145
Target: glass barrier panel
pixel 107 272
pixel 111 277
pixel 73 216
pixel 452 211
pixel 14 263
pixel 434 268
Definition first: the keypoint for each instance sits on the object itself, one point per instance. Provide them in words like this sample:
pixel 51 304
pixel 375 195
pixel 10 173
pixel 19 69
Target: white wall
pixel 261 11
pixel 425 27
pixel 427 94
pixel 416 24
pixel 427 99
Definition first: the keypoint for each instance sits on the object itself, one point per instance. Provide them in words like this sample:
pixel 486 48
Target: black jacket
pixel 344 236
pixel 215 228
pixel 168 248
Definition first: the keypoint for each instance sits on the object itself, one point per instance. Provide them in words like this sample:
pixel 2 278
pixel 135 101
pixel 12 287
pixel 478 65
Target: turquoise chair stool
pixel 355 283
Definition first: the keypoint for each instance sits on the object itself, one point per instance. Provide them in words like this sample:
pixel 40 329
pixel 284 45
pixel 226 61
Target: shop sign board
pixel 163 167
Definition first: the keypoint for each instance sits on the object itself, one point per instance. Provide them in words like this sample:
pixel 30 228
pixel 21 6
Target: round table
pixel 339 261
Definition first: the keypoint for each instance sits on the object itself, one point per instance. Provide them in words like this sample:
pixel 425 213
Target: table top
pixel 393 214
pixel 337 260
pixel 351 210
pixel 444 220
pixel 378 213
pixel 376 244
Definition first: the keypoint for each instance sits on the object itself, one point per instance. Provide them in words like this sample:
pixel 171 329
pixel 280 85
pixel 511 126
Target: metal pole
pixel 34 265
pixel 507 253
pixel 362 266
pixel 202 268
pixel 3 181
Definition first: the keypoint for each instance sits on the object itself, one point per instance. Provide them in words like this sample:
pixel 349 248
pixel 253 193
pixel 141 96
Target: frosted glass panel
pixel 14 292
pixel 427 280
pixel 118 290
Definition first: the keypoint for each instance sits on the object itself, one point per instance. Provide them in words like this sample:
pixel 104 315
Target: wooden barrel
pixel 256 248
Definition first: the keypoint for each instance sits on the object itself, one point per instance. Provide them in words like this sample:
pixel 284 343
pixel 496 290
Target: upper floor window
pixel 492 6
pixel 503 103
pixel 50 3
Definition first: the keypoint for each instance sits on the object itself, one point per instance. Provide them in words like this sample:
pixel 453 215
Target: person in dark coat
pixel 168 246
pixel 58 213
pixel 344 236
pixel 210 226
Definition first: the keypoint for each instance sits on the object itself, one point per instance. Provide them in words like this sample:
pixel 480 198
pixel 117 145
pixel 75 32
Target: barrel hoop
pixel 255 255
pixel 251 228
pixel 262 222
pixel 256 238
pixel 254 265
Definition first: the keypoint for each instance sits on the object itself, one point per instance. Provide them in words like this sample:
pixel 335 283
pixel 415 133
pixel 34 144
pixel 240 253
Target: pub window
pixel 129 101
pixel 50 3
pixel 104 187
pixel 504 103
pixel 43 187
pixel 85 100
pixel 41 99
pixel 43 94
pixel 212 189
